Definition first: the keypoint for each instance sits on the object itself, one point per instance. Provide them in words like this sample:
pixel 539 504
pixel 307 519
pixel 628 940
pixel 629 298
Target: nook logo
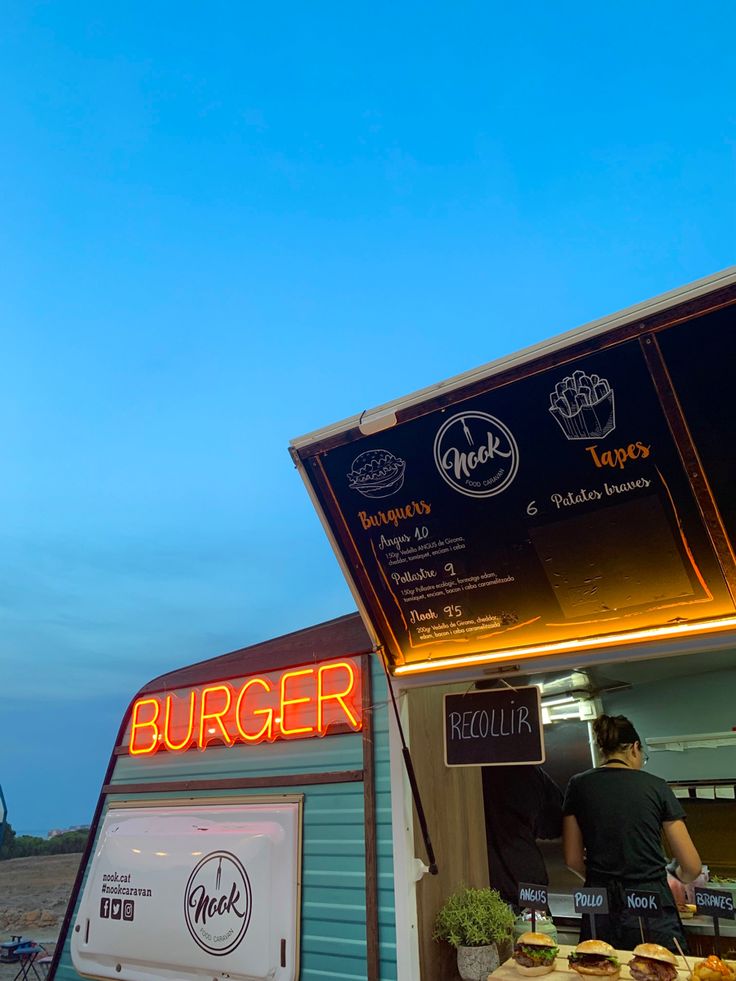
pixel 476 454
pixel 218 903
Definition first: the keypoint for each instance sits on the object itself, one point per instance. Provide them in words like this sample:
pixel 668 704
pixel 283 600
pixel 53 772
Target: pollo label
pixel 715 902
pixel 591 900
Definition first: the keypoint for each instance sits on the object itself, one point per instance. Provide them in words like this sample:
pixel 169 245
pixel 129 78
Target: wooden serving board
pixel 507 971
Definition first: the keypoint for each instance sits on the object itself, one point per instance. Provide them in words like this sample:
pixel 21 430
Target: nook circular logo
pixel 218 903
pixel 476 454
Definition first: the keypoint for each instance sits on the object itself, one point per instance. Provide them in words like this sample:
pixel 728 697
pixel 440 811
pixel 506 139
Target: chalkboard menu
pixel 494 728
pixel 551 509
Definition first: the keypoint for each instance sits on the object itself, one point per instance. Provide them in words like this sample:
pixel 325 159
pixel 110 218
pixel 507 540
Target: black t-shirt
pixel 620 813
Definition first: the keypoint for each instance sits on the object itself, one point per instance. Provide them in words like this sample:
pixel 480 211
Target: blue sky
pixel 226 224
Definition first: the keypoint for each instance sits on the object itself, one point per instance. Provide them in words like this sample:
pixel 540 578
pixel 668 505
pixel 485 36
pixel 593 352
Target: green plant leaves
pixel 474 918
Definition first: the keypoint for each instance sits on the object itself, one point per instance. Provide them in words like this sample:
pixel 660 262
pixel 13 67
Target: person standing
pixel 613 820
pixel 522 804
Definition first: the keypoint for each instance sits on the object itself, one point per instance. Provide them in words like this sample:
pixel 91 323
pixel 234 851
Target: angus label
pixel 591 900
pixel 532 896
pixel 494 728
pixel 642 902
pixel 715 902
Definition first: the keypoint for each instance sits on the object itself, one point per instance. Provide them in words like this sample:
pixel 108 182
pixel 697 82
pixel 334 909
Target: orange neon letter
pixel 215 717
pixel 168 715
pixel 293 701
pixel 266 732
pixel 338 696
pixel 134 748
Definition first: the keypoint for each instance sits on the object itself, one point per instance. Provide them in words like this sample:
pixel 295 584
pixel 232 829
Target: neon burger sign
pixel 297 703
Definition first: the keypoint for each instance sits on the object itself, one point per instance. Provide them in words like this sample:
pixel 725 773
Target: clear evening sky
pixel 226 224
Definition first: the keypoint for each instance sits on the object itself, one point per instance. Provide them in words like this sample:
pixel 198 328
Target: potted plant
pixel 476 922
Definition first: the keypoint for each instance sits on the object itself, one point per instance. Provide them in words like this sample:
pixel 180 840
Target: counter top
pixel 704 925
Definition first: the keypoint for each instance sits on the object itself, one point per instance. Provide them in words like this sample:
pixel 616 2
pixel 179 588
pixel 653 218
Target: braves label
pixel 715 902
pixel 218 903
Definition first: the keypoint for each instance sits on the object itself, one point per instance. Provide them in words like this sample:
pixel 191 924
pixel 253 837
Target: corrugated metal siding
pixel 333 927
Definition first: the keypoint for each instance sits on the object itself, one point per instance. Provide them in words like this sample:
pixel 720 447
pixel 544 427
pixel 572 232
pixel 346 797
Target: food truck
pixel 529 544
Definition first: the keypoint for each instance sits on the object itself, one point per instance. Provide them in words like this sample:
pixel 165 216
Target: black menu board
pixel 500 727
pixel 551 509
pixel 701 359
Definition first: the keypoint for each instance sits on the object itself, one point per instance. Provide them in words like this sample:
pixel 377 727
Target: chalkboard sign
pixel 591 900
pixel 715 902
pixel 494 728
pixel 534 513
pixel 532 896
pixel 642 902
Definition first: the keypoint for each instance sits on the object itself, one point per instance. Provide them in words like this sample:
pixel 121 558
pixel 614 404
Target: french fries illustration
pixel 583 406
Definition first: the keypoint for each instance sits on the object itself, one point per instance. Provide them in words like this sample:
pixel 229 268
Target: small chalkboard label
pixel 533 897
pixel 715 902
pixel 591 900
pixel 499 727
pixel 642 902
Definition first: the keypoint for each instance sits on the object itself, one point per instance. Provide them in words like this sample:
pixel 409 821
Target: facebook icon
pixel 105 909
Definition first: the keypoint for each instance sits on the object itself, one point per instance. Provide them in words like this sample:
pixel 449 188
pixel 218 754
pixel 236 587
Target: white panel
pixel 195 891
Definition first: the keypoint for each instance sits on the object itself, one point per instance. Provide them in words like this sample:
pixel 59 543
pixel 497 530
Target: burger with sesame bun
pixel 535 954
pixel 595 958
pixel 651 962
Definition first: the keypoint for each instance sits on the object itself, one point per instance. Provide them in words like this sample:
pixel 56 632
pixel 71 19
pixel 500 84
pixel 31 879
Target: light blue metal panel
pixel 317 755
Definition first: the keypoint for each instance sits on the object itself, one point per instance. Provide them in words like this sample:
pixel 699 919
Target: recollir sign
pixel 297 703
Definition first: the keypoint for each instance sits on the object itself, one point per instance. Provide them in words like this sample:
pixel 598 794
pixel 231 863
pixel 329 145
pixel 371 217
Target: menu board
pixel 700 355
pixel 552 508
pixel 494 728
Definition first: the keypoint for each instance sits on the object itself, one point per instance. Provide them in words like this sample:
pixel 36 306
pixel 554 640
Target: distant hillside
pixel 24 846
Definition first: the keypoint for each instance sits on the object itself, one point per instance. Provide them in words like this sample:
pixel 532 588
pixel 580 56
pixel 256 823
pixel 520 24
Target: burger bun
pixel 655 952
pixel 590 970
pixel 536 972
pixel 536 940
pixel 602 949
pixel 595 947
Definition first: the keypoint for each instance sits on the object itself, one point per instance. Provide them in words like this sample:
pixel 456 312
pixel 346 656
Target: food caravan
pixel 550 533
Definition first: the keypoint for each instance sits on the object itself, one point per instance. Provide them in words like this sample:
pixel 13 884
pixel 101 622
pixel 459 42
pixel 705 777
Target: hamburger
pixel 596 958
pixel 651 962
pixel 535 954
pixel 377 473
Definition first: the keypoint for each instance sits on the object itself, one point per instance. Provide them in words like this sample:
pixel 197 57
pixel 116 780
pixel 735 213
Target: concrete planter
pixel 476 963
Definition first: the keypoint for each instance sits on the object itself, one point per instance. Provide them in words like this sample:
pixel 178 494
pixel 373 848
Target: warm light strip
pixel 589 643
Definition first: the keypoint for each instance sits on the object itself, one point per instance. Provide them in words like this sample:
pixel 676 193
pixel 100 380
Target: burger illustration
pixel 535 954
pixel 651 962
pixel 596 958
pixel 377 473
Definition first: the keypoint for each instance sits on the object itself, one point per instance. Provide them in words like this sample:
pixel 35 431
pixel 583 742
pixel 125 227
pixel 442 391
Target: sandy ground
pixel 34 893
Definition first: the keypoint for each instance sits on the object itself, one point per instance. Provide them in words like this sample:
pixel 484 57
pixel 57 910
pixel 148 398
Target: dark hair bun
pixel 614 731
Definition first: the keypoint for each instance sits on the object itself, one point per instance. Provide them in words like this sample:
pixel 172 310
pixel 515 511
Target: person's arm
pixel 572 845
pixel 681 846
